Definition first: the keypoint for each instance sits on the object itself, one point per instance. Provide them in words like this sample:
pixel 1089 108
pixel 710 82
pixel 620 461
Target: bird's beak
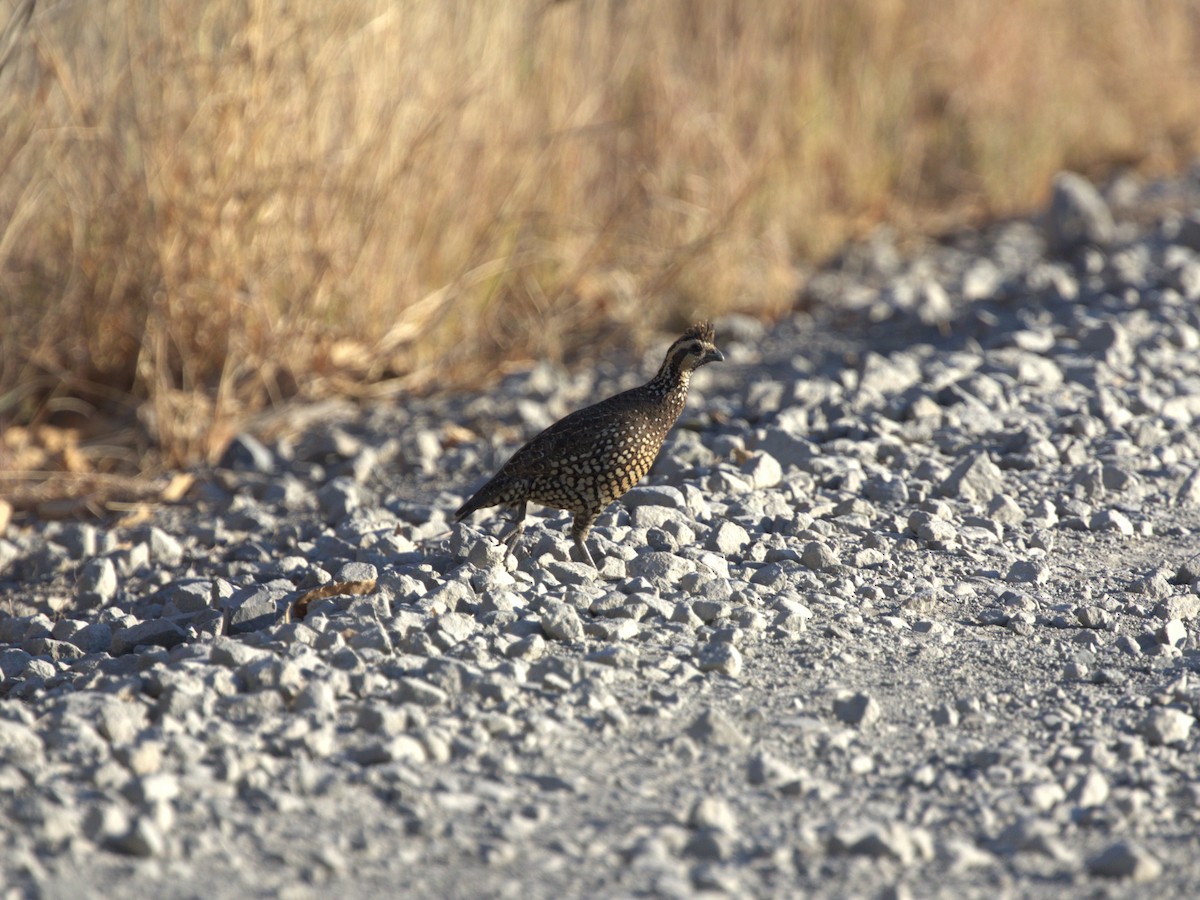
pixel 714 355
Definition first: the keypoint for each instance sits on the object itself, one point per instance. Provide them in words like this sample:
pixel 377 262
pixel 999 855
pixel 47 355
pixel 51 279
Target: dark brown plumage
pixel 588 459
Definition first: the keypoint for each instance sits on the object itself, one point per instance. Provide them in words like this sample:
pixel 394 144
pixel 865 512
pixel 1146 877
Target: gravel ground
pixel 908 607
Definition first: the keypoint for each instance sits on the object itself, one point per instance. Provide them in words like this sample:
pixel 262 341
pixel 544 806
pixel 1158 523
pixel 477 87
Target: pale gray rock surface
pixel 910 605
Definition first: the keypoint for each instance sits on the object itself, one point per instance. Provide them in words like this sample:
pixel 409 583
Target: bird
pixel 586 460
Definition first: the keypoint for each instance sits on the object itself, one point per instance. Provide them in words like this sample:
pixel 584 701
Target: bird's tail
pixel 488 495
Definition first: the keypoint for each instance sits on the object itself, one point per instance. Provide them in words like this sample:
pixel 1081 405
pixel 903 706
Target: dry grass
pixel 210 207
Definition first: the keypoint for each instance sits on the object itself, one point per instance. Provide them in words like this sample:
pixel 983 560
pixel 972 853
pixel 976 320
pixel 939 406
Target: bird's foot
pixel 582 547
pixel 511 537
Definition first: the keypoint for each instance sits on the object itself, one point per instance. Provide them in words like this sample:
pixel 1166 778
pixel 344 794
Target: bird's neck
pixel 671 382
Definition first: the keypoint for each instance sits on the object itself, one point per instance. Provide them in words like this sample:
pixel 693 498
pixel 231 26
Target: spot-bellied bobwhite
pixel 588 459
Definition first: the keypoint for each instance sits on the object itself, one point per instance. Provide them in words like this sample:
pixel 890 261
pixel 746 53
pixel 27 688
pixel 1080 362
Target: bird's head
pixel 697 347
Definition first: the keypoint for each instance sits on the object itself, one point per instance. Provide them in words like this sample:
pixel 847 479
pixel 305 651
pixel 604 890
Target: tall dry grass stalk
pixel 205 207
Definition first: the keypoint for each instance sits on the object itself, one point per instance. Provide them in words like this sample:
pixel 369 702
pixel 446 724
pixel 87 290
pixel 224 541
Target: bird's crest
pixel 702 330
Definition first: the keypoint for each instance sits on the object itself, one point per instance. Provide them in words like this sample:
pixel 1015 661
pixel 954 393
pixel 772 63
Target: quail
pixel 588 459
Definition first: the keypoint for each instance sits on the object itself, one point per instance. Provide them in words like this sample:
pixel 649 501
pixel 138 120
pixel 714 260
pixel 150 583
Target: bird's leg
pixel 586 553
pixel 513 534
pixel 579 531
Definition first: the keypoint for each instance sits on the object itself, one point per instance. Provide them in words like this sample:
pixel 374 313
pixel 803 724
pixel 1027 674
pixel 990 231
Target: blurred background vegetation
pixel 210 208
